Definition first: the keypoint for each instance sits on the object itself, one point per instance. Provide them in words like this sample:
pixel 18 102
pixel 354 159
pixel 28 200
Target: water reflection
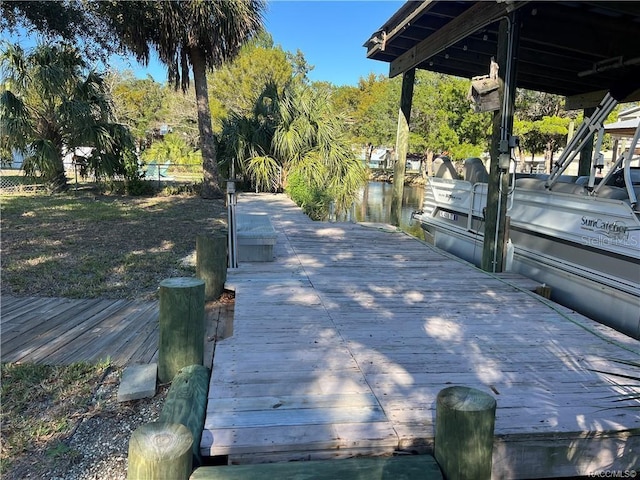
pixel 374 205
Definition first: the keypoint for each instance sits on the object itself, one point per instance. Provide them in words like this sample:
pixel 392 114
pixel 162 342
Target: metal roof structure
pixel 627 123
pixel 570 48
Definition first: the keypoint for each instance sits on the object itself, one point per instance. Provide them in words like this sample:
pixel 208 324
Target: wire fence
pixel 16 181
pixel 164 172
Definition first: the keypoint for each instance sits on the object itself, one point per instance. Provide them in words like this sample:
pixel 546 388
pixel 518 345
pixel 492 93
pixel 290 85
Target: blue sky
pixel 330 34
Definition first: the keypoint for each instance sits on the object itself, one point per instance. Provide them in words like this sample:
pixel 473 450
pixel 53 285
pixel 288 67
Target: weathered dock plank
pixel 61 331
pixel 341 345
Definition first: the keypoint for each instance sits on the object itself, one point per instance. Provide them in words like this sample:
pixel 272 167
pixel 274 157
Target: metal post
pixel 231 220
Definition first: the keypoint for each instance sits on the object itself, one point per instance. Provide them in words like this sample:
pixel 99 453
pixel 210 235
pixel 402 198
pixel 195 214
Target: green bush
pixel 137 187
pixel 313 199
pixel 194 188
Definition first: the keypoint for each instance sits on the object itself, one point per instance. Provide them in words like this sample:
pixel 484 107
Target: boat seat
pixel 545 176
pixel 475 171
pixel 617 179
pixel 443 168
pixel 567 178
pixel 572 188
pixel 584 180
pixel 615 193
pixel 530 183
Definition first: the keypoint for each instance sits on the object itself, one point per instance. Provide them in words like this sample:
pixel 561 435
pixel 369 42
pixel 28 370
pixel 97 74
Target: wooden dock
pixel 341 345
pixel 61 331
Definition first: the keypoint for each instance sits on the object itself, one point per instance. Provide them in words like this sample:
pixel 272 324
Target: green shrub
pixel 194 188
pixel 313 199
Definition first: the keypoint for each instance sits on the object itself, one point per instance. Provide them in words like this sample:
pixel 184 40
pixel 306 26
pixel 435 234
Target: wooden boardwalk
pixel 341 345
pixel 61 331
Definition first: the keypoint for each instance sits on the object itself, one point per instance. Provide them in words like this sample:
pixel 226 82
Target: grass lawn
pixel 41 405
pixel 87 246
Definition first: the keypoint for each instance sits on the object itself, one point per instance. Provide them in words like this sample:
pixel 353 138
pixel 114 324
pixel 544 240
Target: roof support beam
pixel 477 16
pixel 592 99
pixel 402 145
pixel 496 225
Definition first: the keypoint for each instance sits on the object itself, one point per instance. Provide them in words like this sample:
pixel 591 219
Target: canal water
pixel 374 205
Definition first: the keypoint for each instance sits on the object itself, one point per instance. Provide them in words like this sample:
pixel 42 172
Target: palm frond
pixel 15 124
pixel 265 171
pixel 13 66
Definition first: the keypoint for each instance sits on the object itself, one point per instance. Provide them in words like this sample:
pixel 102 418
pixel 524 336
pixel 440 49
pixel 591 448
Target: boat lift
pixel 624 161
pixel 584 135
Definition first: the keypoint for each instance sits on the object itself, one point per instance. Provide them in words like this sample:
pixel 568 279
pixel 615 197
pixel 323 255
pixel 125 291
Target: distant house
pixel 623 130
pixel 76 156
pixel 17 159
pixel 377 157
pixel 626 125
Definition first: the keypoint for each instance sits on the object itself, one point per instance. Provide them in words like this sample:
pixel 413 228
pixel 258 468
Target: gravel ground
pixel 98 448
pixel 102 441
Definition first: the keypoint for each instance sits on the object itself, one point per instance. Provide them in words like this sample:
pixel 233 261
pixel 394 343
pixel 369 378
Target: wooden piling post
pixel 465 419
pixel 544 291
pixel 186 403
pixel 160 451
pixel 181 325
pixel 211 264
pixel 402 145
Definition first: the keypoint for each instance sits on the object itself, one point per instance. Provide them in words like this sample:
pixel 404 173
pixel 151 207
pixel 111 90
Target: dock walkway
pixel 61 331
pixel 341 345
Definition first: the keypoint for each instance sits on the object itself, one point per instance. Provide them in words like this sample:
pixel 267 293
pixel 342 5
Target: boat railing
pixel 582 137
pixel 627 169
pixel 623 161
pixel 477 203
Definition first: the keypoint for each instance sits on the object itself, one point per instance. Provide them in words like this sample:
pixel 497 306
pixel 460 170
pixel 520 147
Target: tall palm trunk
pixel 211 185
pixel 58 181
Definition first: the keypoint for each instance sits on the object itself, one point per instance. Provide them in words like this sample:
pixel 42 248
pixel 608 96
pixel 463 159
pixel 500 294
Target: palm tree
pixel 49 107
pixel 201 34
pixel 294 131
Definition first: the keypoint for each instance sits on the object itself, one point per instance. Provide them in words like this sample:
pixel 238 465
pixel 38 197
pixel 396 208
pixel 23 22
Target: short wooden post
pixel 181 325
pixel 186 403
pixel 160 451
pixel 211 264
pixel 544 291
pixel 465 419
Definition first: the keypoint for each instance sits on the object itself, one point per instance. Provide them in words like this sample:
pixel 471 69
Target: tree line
pixel 250 112
pixel 190 38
